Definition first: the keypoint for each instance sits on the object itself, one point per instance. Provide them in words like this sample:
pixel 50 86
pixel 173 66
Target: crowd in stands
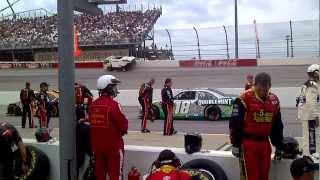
pixel 109 28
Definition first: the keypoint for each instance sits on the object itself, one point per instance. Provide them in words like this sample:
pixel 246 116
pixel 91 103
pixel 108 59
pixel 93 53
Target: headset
pixel 166 157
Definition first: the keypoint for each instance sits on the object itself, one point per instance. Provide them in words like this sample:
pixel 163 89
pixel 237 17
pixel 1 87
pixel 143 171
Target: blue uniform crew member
pixel 168 106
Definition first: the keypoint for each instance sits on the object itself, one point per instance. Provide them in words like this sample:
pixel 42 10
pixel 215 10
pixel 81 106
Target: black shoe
pixel 145 131
pixel 174 132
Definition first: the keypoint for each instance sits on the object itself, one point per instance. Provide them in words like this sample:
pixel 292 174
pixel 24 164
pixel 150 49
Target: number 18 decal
pixel 182 107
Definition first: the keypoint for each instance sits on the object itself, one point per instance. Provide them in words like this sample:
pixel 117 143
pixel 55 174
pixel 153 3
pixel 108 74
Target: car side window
pixel 206 96
pixel 188 95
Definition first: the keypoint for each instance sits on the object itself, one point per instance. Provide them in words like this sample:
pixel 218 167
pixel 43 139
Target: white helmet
pixel 106 80
pixel 314 67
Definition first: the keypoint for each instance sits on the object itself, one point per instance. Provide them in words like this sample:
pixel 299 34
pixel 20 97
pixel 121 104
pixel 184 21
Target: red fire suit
pixel 145 95
pixel 168 106
pixel 108 125
pixel 253 122
pixel 169 172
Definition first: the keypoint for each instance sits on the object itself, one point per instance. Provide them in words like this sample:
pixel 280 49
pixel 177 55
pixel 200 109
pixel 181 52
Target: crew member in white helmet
pixel 309 110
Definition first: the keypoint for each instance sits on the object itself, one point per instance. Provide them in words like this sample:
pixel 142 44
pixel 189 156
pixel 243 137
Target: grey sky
pixel 208 13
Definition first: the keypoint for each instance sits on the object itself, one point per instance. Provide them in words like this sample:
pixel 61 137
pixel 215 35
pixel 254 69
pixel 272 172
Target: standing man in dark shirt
pixel 168 106
pixel 145 99
pixel 10 143
pixel 43 106
pixel 256 118
pixel 26 98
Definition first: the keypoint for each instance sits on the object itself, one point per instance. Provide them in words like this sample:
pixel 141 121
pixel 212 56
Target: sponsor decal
pixel 223 101
pixel 263 117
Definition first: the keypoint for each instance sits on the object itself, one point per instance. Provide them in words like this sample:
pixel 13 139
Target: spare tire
pixel 207 166
pixel 38 165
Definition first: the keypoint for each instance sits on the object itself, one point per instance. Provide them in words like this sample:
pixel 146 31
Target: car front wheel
pixel 212 113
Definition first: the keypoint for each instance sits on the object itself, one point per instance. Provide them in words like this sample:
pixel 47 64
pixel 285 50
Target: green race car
pixel 199 104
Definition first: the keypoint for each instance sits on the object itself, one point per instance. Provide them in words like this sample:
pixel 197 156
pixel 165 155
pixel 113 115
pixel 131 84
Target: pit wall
pixel 143 156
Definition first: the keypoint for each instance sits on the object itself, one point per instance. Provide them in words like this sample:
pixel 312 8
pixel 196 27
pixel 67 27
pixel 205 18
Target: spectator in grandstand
pixel 111 27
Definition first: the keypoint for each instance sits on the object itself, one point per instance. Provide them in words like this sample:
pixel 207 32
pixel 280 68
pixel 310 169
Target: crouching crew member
pixel 168 167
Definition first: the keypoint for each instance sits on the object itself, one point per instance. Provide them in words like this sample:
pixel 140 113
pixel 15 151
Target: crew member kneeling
pixel 167 167
pixel 108 125
pixel 256 117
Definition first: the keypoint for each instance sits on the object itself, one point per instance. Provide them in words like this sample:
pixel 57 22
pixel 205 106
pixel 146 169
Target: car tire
pixel 210 168
pixel 212 113
pixel 38 165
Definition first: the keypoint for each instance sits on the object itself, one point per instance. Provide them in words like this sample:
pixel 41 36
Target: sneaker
pixel 145 131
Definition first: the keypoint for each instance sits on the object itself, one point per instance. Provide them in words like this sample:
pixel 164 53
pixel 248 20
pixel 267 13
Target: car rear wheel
pixel 212 113
pixel 206 169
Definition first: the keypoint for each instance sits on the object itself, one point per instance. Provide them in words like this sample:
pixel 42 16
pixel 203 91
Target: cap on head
pixel 105 80
pixel 166 157
pixel 249 76
pixel 44 84
pixel 167 81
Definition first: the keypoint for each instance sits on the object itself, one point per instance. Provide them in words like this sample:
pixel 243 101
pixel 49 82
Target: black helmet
pixel 290 148
pixel 42 135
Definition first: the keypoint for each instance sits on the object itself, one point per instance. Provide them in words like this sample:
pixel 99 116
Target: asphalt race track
pixel 282 76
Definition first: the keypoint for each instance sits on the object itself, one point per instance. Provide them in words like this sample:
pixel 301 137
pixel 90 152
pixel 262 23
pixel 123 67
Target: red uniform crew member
pixel 256 117
pixel 249 83
pixel 108 125
pixel 168 167
pixel 44 106
pixel 145 99
pixel 167 106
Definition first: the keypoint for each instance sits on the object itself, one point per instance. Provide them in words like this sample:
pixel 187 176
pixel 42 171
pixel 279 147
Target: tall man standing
pixel 309 110
pixel 26 98
pixel 108 126
pixel 167 106
pixel 145 100
pixel 256 117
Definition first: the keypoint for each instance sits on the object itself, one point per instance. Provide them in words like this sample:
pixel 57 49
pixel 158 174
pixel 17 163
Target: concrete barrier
pixel 286 95
pixel 143 156
pixel 288 61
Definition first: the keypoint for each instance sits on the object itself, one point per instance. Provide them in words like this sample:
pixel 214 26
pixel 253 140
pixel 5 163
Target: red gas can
pixel 134 174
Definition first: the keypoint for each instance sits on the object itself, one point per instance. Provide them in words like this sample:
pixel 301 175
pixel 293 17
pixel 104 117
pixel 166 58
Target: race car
pixel 123 63
pixel 199 104
pixel 15 109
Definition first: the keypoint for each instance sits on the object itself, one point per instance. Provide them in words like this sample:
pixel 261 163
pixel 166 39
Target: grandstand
pixel 34 38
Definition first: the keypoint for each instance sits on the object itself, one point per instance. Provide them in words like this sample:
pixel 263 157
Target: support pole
pixel 68 168
pixel 198 43
pixel 227 42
